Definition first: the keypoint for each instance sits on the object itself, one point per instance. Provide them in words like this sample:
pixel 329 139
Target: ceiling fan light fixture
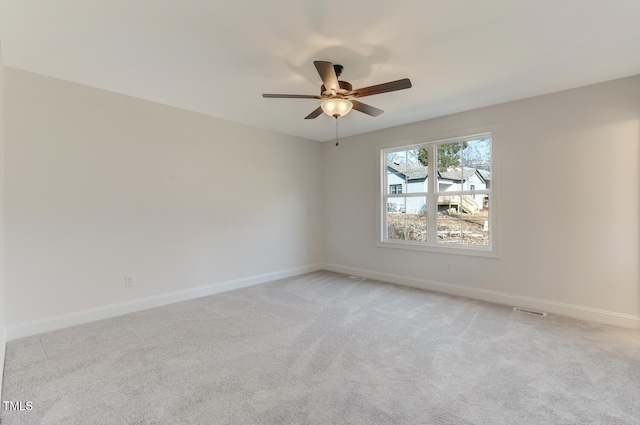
pixel 336 107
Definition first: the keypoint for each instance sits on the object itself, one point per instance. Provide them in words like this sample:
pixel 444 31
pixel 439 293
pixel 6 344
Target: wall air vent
pixel 531 312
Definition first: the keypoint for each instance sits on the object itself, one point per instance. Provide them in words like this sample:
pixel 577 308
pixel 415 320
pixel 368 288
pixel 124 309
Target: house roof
pixel 455 173
pixel 413 172
pixel 486 175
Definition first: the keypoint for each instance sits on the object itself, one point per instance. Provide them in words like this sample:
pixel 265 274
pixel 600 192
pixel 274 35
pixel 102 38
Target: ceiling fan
pixel 338 96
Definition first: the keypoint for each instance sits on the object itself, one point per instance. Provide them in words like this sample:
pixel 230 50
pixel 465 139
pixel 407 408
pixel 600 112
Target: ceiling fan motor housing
pixel 345 88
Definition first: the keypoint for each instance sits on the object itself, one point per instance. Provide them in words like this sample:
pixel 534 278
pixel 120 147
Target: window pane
pixel 475 226
pixel 448 205
pixel 397 157
pixel 448 229
pixel 416 178
pixel 463 219
pixel 448 219
pixel 396 218
pixel 416 219
pixel 396 168
pixel 449 156
pixel 477 153
pixel 450 166
pixel 395 183
pixel 406 169
pixel 472 204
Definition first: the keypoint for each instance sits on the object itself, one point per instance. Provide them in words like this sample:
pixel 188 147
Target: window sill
pixel 487 252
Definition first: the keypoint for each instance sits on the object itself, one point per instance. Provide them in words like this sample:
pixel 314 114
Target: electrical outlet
pixel 129 280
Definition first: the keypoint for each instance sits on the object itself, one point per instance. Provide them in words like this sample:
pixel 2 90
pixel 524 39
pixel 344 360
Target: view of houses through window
pixel 438 193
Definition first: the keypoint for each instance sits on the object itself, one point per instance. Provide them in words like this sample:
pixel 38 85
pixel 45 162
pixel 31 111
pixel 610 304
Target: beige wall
pixel 99 185
pixel 568 182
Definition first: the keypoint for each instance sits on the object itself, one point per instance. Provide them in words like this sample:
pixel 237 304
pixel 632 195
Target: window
pixel 446 204
pixel 395 189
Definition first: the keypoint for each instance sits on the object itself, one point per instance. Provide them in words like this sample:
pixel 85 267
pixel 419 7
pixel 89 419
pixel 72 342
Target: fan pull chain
pixel 337 131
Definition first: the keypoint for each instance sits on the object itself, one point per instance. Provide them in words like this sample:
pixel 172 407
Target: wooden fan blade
pixel 291 96
pixel 317 112
pixel 405 83
pixel 328 75
pixel 367 109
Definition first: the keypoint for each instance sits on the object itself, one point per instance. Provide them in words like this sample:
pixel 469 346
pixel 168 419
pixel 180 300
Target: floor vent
pixel 357 278
pixel 532 312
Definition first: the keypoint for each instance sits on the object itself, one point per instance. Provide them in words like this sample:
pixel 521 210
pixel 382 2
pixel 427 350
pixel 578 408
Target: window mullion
pixel 432 196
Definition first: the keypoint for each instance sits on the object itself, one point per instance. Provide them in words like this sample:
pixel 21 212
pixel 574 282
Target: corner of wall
pixel 3 333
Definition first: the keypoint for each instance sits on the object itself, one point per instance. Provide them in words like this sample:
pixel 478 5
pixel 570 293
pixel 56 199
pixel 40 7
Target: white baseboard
pixel 78 318
pixel 570 310
pixel 35 327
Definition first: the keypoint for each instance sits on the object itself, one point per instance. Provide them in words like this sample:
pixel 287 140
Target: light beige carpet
pixel 324 349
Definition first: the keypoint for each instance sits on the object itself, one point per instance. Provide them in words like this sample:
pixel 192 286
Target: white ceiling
pixel 218 56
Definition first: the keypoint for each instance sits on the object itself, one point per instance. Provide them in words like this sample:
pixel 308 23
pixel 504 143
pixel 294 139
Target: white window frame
pixel 432 245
